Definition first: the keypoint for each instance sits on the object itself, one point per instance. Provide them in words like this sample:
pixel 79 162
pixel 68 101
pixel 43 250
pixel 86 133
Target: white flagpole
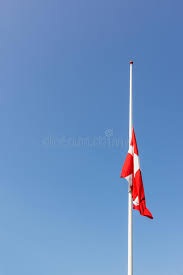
pixel 130 202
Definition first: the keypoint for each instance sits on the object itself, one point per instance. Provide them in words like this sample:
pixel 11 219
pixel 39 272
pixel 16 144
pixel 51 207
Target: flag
pixel 131 172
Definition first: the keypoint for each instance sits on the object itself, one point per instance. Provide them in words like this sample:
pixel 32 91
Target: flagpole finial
pixel 131 62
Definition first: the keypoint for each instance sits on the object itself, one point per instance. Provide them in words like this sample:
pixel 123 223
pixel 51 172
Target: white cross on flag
pixel 131 172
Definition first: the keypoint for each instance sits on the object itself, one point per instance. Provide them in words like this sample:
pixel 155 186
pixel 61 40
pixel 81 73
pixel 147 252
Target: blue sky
pixel 64 88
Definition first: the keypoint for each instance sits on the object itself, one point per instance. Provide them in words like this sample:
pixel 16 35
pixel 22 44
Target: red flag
pixel 131 171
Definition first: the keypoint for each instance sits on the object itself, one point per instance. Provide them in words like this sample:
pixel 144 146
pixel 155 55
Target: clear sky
pixel 64 88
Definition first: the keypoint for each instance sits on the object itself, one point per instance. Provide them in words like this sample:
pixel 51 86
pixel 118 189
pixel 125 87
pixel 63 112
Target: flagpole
pixel 130 201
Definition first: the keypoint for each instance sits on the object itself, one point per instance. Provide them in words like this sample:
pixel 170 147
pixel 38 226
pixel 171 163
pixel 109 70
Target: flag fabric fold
pixel 132 173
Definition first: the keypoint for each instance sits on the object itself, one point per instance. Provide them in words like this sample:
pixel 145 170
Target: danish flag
pixel 131 172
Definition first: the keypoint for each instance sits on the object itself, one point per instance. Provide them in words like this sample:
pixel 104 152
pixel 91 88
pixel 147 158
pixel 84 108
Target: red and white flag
pixel 131 172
